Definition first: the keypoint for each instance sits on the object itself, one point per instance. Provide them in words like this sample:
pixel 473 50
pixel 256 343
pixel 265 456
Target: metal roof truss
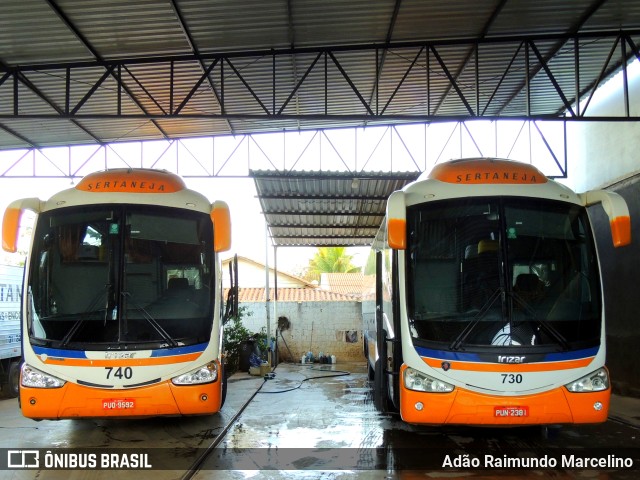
pixel 535 77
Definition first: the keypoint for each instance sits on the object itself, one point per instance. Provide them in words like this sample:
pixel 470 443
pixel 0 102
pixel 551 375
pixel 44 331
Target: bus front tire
pixel 13 381
pixel 223 379
pixel 380 395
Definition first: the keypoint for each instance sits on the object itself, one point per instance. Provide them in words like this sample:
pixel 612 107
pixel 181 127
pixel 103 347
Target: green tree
pixel 330 260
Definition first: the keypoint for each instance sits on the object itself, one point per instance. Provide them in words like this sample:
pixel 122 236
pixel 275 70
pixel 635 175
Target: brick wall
pixel 334 328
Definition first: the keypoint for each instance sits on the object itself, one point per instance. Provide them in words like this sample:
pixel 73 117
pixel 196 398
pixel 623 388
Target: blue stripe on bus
pixel 55 352
pixel 575 355
pixel 474 357
pixel 167 352
pixel 170 352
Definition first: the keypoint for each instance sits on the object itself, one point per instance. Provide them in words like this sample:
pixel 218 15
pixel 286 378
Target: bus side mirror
pixel 11 221
pixel 616 209
pixel 396 221
pixel 221 219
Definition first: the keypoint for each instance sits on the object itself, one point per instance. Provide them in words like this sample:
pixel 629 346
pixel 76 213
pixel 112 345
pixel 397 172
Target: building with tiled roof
pixel 291 295
pixel 347 283
pixel 252 274
pixel 318 319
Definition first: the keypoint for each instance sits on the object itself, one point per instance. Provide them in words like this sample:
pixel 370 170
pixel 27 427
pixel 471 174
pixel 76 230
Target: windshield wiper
pixel 156 326
pixel 460 339
pixel 83 316
pixel 550 329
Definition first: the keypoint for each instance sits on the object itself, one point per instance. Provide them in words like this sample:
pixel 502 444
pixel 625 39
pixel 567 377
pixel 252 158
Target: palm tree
pixel 330 260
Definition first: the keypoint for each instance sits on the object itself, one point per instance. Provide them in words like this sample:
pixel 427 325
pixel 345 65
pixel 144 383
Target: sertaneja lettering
pixel 118 185
pixel 516 177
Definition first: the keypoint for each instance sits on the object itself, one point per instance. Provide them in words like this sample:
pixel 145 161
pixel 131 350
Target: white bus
pixel 488 307
pixel 122 299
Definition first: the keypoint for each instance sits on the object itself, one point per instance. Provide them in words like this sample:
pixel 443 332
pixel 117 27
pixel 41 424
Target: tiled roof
pixel 348 283
pixel 292 295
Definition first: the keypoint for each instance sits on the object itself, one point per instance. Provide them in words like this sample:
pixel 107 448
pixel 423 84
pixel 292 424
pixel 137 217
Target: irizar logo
pixel 510 359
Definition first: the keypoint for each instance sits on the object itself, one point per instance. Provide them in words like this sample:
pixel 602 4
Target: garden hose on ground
pixel 272 375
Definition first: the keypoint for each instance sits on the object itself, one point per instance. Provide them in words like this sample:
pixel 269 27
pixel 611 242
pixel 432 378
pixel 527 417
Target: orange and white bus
pixel 122 300
pixel 488 307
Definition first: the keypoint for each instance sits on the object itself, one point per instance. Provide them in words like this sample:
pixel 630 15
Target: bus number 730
pixel 509 378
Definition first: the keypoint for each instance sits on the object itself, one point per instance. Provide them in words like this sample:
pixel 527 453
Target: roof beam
pixel 318 112
pixel 377 198
pixel 85 42
pixel 380 62
pixel 194 48
pixel 465 62
pixel 18 136
pixel 324 237
pixel 572 32
pixel 22 78
pixel 272 213
pixel 317 226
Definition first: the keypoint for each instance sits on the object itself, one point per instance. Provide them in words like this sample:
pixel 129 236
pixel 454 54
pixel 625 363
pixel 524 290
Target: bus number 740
pixel 511 378
pixel 120 373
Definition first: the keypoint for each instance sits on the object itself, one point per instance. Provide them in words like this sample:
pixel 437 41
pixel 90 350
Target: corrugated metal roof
pixel 276 65
pixel 99 71
pixel 325 208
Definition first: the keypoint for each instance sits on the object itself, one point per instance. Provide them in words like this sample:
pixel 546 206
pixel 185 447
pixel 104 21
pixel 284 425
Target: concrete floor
pixel 313 421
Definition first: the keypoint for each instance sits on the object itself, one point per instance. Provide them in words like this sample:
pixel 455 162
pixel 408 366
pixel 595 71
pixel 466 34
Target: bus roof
pixel 129 180
pixel 486 171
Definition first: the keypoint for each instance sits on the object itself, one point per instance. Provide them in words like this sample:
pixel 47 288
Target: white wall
pixel 315 326
pixel 601 153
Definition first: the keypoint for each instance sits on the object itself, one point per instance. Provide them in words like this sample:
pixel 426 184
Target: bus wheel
pixel 14 380
pixel 380 396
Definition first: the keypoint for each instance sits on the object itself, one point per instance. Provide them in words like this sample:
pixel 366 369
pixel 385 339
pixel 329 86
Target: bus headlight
pixel 594 382
pixel 34 378
pixel 414 380
pixel 206 374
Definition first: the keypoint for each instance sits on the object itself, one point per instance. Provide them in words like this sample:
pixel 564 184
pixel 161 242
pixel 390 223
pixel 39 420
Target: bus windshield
pixel 121 277
pixel 502 272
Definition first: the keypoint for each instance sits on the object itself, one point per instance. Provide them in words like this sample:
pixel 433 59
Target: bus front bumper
pixel 76 401
pixel 465 407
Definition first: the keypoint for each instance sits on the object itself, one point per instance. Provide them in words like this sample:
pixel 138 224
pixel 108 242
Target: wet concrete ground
pixel 309 421
pixel 313 422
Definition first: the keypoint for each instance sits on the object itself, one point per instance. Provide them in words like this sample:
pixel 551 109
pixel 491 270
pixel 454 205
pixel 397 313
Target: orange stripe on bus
pixel 510 367
pixel 125 362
